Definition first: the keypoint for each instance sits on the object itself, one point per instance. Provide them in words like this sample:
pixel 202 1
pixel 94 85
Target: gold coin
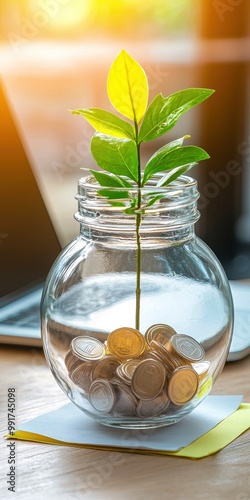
pixel 105 368
pixel 159 332
pixel 152 407
pixel 102 395
pixel 187 347
pixel 148 379
pixel 183 385
pixel 87 348
pixel 126 343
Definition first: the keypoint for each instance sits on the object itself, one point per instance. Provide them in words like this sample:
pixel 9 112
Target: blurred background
pixel 55 56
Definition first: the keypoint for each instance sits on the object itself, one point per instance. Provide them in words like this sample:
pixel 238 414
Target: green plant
pixel 116 143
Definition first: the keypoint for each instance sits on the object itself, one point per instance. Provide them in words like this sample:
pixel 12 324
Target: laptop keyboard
pixel 29 317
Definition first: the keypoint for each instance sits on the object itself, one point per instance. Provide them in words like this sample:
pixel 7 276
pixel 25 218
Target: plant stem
pixel 138 272
pixel 138 240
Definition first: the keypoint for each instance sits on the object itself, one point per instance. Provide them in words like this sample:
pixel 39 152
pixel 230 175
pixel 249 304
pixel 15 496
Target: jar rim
pixel 183 181
pixel 169 207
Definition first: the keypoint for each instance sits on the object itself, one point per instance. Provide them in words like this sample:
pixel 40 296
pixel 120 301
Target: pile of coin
pixel 131 374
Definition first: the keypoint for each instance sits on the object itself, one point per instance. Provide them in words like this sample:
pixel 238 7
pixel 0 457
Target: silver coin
pixel 148 379
pixel 87 348
pixel 126 402
pixel 187 347
pixel 120 375
pixel 126 370
pixel 105 368
pixel 167 357
pixel 159 332
pixel 153 407
pixel 71 361
pixel 81 375
pixel 202 368
pixel 102 395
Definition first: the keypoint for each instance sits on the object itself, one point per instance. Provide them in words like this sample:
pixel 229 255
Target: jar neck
pixel 171 216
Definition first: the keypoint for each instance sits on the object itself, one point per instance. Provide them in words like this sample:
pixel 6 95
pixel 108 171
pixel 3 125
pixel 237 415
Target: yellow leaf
pixel 127 87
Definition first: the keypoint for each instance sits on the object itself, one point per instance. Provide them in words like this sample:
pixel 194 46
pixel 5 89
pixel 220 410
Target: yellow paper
pixel 213 441
pixel 219 437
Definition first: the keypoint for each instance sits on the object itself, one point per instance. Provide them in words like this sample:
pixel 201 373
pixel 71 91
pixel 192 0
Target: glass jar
pixel 137 318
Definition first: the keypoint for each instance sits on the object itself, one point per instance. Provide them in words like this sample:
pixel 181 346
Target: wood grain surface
pixel 49 471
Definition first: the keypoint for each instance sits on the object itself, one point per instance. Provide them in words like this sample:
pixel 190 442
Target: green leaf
pixel 154 199
pixel 171 159
pixel 131 210
pixel 114 194
pixel 106 122
pixel 173 174
pixel 118 156
pixel 163 113
pixel 109 180
pixel 163 152
pixel 127 87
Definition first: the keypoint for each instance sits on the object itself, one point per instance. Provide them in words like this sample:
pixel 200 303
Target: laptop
pixel 28 241
pixel 240 344
pixel 29 246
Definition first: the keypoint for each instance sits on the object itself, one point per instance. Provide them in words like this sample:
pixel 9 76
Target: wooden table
pixel 49 471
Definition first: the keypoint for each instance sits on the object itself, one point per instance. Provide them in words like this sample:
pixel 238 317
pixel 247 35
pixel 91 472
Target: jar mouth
pixel 170 206
pixel 172 189
pixel 180 191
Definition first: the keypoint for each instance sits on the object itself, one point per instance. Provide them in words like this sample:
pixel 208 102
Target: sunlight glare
pixel 66 14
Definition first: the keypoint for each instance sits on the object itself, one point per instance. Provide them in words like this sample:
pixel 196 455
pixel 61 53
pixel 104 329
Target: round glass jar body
pixel 137 311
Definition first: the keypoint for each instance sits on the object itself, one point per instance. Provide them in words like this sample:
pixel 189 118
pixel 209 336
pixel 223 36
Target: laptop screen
pixel 28 242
